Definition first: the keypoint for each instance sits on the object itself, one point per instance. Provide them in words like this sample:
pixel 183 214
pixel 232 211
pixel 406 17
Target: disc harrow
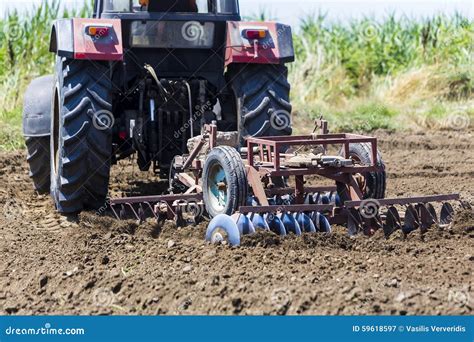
pixel 248 189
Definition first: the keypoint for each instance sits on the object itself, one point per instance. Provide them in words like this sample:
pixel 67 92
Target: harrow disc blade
pixel 354 222
pixel 252 201
pixel 309 199
pixel 325 199
pixel 287 200
pixel 305 223
pixel 447 213
pixel 276 225
pixel 122 213
pixel 259 221
pixel 426 221
pixel 321 223
pixel 278 200
pixel 392 222
pixel 411 220
pixel 223 228
pixel 244 224
pixel 317 198
pixel 334 198
pixel 290 223
pixel 432 212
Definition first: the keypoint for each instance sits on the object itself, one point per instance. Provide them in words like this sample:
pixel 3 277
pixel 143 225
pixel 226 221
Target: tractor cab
pixel 212 7
pixel 186 38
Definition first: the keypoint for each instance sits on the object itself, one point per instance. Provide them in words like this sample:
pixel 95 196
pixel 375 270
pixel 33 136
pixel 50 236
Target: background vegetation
pixel 395 73
pixel 362 75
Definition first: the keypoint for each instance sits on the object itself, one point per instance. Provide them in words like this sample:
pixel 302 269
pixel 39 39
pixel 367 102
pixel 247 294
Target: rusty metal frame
pixel 260 169
pixel 270 152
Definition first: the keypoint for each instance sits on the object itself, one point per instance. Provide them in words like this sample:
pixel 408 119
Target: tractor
pixel 202 99
pixel 142 78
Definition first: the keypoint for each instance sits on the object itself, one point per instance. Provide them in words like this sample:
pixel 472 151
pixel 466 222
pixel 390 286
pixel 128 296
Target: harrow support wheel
pixel 225 185
pixel 372 184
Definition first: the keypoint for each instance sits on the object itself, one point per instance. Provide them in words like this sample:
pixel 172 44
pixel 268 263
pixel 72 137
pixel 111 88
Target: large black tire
pixel 36 129
pixel 262 95
pixel 38 160
pixel 375 182
pixel 229 161
pixel 81 135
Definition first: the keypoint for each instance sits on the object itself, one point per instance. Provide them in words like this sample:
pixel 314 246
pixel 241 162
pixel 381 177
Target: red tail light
pixel 253 34
pixel 98 31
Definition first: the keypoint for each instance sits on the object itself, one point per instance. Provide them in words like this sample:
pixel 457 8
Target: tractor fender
pixel 61 40
pixel 70 38
pixel 275 48
pixel 37 103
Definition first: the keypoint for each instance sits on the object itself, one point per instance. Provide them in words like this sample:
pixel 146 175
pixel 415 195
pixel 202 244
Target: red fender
pixel 103 47
pixel 275 48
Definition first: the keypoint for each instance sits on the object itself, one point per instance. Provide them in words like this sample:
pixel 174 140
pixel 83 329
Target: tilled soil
pixel 97 265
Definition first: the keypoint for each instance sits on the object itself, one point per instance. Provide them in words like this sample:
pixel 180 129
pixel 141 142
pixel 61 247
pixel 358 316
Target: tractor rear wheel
pixel 36 130
pixel 372 184
pixel 225 185
pixel 38 160
pixel 81 135
pixel 262 95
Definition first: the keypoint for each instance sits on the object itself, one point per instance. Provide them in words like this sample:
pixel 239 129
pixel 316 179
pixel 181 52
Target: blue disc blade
pixel 305 223
pixel 223 228
pixel 290 223
pixel 244 224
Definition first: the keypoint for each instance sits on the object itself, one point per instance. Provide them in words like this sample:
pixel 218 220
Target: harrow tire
pixel 262 96
pixel 376 182
pixel 229 161
pixel 81 142
pixel 38 160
